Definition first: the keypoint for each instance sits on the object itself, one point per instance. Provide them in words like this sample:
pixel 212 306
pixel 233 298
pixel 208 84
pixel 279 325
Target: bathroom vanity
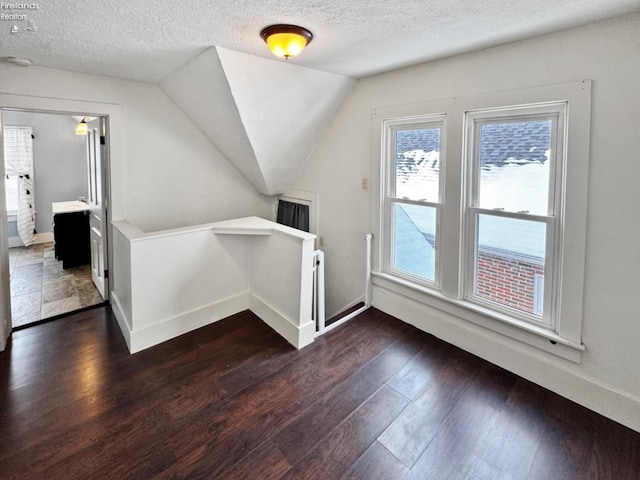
pixel 71 233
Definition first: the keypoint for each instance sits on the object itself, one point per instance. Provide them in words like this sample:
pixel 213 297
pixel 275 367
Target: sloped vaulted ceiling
pixel 264 115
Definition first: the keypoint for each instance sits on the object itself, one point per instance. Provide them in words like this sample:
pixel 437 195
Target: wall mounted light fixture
pixel 286 40
pixel 82 128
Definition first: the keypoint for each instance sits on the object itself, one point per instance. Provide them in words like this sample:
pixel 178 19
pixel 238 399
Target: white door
pixel 98 210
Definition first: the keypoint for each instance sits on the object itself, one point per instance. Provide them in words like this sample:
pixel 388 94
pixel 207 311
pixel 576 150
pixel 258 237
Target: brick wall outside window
pixel 507 281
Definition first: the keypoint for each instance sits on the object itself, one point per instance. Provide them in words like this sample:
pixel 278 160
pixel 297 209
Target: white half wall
pixel 120 296
pixel 164 172
pixel 607 53
pixel 173 281
pixel 278 260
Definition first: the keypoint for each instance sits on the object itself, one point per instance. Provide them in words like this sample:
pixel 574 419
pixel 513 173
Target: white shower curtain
pixel 18 161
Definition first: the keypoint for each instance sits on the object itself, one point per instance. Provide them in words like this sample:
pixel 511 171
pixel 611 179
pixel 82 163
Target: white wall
pixel 5 305
pixel 608 53
pixel 121 300
pixel 239 102
pixel 170 175
pixel 173 281
pixel 59 161
pixel 164 172
pixel 287 258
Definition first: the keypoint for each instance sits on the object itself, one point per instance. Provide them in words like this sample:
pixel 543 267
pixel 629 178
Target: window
pixel 482 211
pixel 293 214
pixel 11 193
pixel 18 162
pixel 412 202
pixel 514 161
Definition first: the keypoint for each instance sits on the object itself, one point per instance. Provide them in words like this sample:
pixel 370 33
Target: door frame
pixel 112 167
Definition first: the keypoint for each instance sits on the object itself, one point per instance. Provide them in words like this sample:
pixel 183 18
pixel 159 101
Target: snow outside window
pixel 413 203
pixel 482 211
pixel 515 159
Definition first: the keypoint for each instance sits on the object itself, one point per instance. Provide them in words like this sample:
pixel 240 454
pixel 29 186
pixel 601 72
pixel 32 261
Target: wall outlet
pixel 365 183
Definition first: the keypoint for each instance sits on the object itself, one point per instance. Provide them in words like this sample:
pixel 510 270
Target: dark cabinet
pixel 71 236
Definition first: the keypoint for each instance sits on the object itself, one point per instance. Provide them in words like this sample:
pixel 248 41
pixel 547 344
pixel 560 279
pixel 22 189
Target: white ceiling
pixel 149 39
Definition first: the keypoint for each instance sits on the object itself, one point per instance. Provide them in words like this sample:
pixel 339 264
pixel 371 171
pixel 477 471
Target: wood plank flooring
pixel 375 399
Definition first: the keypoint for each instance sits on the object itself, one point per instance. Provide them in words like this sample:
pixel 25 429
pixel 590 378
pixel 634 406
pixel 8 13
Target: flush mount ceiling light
pixel 286 40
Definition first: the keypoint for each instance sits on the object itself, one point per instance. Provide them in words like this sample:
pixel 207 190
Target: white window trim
pixel 565 339
pixel 557 111
pixel 390 199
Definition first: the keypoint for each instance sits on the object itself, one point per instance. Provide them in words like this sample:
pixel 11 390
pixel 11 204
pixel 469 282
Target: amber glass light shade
pixel 82 128
pixel 286 40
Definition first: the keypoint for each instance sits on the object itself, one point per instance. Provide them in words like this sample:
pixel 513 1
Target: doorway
pixel 69 198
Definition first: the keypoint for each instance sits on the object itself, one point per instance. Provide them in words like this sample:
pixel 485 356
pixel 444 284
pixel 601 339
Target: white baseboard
pixel 137 340
pixel 298 336
pixel 123 322
pixel 176 326
pixel 515 357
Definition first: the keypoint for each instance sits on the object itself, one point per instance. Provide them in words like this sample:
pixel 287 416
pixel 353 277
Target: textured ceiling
pixel 149 39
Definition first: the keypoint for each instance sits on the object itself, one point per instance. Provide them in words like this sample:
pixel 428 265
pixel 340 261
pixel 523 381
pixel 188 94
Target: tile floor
pixel 40 288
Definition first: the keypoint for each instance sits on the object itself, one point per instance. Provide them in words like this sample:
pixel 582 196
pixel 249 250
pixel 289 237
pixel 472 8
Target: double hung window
pixel 515 159
pixel 483 209
pixel 413 200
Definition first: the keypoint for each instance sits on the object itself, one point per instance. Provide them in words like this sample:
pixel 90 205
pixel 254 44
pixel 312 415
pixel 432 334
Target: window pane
pixel 509 262
pixel 415 229
pixel 11 194
pixel 417 166
pixel 514 166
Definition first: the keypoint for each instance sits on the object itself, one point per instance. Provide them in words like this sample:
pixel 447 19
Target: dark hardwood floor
pixel 375 399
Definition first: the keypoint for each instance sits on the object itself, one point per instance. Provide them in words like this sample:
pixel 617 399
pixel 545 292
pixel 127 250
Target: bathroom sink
pixel 69 207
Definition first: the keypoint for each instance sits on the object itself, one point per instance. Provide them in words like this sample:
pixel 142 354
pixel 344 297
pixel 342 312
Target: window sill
pixel 12 216
pixel 533 335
